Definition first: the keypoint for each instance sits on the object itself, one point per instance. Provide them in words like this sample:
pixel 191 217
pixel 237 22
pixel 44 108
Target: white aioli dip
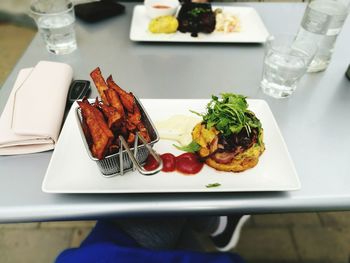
pixel 177 128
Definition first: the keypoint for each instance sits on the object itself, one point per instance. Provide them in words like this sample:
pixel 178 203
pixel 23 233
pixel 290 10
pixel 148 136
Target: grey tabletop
pixel 315 121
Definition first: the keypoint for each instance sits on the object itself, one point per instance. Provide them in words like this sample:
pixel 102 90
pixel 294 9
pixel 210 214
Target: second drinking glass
pixel 55 21
pixel 286 61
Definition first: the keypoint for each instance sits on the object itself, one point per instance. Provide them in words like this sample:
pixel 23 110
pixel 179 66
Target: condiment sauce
pixel 169 162
pixel 161 6
pixel 186 163
pixel 151 163
pixel 177 128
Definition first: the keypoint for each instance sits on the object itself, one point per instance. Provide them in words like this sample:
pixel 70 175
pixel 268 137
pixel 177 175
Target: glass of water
pixel 286 61
pixel 55 21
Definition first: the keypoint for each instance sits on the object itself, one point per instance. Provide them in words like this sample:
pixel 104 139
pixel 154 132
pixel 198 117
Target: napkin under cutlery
pixel 32 118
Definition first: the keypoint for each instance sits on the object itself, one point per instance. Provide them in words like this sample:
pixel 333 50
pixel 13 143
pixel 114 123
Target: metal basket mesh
pixel 110 165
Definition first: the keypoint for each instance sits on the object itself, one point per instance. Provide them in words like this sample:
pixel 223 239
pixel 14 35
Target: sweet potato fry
pixel 130 127
pixel 86 132
pixel 117 114
pixel 135 116
pixel 126 98
pixel 114 101
pixel 143 131
pixel 114 118
pixel 131 138
pixel 100 83
pixel 113 148
pixel 101 135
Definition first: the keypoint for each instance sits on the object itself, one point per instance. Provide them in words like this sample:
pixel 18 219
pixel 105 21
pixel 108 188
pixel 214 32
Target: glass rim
pixel 40 13
pixel 284 49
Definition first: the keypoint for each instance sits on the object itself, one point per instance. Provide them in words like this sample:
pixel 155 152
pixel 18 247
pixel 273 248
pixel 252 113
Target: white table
pixel 315 121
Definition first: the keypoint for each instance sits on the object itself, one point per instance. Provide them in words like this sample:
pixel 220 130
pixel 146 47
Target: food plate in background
pixel 71 171
pixel 252 29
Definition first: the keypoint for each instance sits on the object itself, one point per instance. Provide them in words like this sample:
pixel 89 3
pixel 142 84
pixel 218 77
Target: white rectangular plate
pixel 71 171
pixel 252 30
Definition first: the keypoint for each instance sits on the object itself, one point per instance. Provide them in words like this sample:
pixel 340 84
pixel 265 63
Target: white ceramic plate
pixel 71 171
pixel 252 30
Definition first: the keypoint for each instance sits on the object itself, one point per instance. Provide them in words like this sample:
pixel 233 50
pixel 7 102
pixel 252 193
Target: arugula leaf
pixel 213 185
pixel 229 114
pixel 192 147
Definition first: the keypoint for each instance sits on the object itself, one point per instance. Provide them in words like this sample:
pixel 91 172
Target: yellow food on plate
pixel 230 136
pixel 163 24
pixel 237 160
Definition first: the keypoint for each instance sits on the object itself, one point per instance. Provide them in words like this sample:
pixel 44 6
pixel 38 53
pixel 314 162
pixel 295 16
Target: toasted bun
pixel 241 162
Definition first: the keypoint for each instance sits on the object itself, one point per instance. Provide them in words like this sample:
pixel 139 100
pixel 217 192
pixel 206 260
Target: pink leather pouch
pixel 32 117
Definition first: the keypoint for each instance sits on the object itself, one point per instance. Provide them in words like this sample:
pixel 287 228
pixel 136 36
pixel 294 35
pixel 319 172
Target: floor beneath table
pixel 306 237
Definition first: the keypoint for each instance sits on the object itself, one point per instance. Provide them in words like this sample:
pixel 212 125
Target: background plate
pixel 71 171
pixel 252 30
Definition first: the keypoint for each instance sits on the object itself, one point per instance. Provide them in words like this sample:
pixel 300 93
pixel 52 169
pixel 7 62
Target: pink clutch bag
pixel 32 118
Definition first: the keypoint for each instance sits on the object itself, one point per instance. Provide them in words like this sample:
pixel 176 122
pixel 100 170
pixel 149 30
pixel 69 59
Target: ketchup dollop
pixel 188 163
pixel 169 162
pixel 151 163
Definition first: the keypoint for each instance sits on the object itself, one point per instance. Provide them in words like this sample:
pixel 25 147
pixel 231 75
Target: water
pixel 322 22
pixel 58 33
pixel 281 74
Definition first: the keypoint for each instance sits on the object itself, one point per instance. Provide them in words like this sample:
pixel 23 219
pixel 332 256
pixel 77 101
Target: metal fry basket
pixel 127 159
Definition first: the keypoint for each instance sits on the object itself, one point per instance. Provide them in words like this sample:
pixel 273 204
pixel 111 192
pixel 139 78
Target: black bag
pixel 97 11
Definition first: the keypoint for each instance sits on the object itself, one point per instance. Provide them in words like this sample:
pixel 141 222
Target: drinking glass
pixel 286 61
pixel 55 21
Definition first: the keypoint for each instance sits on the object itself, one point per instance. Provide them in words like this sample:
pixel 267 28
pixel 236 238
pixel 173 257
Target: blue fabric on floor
pixel 107 243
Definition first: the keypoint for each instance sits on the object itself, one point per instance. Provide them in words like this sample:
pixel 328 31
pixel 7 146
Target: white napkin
pixel 32 117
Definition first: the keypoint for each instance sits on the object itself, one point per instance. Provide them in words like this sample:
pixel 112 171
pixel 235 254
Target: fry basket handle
pixel 135 162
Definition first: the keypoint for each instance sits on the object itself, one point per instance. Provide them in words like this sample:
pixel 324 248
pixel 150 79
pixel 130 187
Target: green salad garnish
pixel 229 114
pixel 191 148
pixel 213 185
pixel 197 11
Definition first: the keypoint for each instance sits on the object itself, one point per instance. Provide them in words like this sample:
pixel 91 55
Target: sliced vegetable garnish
pixel 213 185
